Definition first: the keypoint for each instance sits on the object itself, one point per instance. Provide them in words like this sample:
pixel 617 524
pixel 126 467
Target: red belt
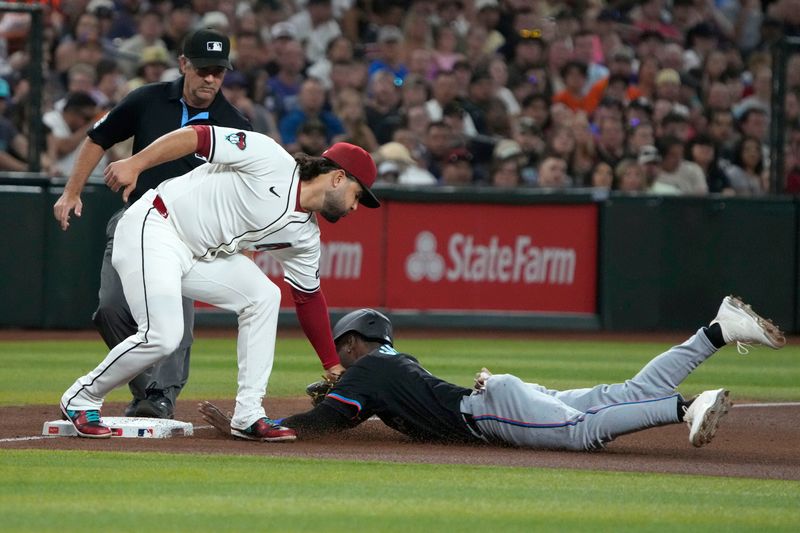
pixel 158 203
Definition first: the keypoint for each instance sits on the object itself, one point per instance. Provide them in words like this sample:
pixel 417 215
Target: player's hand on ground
pixel 122 174
pixel 212 414
pixel 481 377
pixel 64 206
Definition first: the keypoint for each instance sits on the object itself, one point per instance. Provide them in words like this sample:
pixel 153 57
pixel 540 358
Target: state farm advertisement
pixel 535 258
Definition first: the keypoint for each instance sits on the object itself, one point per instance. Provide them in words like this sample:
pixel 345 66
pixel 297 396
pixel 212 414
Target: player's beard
pixel 334 206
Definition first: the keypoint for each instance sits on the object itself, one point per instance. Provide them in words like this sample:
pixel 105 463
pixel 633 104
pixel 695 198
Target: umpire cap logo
pixel 214 46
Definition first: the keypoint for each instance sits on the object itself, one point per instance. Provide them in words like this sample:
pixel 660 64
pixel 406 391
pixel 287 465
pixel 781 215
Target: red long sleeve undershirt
pixel 203 140
pixel 312 311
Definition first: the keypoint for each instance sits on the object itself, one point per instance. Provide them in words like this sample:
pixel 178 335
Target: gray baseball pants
pixel 115 323
pixel 530 415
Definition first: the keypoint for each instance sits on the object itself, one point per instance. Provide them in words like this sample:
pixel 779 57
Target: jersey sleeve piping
pixel 347 401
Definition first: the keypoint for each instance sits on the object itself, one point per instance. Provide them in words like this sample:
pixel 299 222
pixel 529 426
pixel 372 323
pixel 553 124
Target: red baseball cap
pixel 359 165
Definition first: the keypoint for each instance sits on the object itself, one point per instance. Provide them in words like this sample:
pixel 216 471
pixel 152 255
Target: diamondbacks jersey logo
pixel 238 139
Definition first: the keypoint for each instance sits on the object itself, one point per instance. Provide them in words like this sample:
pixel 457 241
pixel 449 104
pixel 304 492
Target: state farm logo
pixel 425 263
pixel 470 261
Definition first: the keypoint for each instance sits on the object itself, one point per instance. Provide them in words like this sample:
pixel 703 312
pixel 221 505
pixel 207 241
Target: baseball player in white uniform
pixel 183 238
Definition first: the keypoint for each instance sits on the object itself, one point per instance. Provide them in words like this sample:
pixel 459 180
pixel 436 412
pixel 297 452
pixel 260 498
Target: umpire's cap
pixel 369 323
pixel 207 48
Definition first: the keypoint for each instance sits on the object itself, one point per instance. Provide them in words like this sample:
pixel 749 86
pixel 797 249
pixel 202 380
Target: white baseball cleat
pixel 742 325
pixel 704 414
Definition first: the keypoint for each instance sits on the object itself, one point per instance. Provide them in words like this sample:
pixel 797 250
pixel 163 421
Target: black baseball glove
pixel 319 389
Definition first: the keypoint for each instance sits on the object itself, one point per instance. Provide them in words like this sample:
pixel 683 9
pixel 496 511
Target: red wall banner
pixel 458 258
pixel 470 257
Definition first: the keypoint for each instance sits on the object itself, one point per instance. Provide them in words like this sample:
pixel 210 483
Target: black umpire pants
pixel 114 322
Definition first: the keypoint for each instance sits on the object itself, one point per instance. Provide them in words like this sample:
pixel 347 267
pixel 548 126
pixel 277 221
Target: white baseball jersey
pixel 296 246
pixel 247 192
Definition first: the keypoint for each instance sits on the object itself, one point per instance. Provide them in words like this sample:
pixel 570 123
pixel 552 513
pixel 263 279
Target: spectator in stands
pixel 250 61
pixel 499 73
pixel 746 171
pixel 675 124
pixel 312 137
pixel 639 134
pixel 390 54
pixel 649 67
pixel 349 108
pixel 13 145
pixel 721 129
pixel 180 19
pixel 396 165
pixel 284 87
pixel 150 28
pixel 68 129
pixel 668 85
pixel 611 141
pixel 383 108
pixel 754 122
pixel 489 19
pixel 457 168
pixel 792 168
pixel 444 91
pixel 649 160
pixel 574 75
pixel 152 65
pixel 602 176
pixel 235 87
pixel 339 49
pixel 586 50
pixel 629 176
pixel 446 45
pixel 677 175
pixel 110 86
pixel 552 173
pixel 415 91
pixel 316 27
pixel 702 150
pixel 437 147
pixel 311 105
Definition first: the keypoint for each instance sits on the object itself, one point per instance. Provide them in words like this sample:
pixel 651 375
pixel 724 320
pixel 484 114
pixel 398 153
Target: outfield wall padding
pixel 661 262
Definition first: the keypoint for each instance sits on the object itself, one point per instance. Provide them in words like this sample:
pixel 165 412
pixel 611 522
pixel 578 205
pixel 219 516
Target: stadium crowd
pixel 660 96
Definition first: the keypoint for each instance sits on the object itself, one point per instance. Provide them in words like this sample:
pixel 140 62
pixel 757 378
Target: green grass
pixel 79 491
pixel 38 372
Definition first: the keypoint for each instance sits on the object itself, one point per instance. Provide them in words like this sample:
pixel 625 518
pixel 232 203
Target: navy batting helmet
pixel 369 323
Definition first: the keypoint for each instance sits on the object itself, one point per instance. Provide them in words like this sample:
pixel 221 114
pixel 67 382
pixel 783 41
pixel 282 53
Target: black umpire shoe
pixel 156 405
pixel 130 410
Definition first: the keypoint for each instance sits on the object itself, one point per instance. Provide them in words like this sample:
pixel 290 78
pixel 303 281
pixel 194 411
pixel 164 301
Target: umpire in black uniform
pixel 146 114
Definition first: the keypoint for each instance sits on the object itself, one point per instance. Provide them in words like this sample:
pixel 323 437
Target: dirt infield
pixel 759 442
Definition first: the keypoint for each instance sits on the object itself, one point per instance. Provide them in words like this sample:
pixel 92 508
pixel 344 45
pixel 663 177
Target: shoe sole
pixel 84 435
pixel 241 435
pixel 772 332
pixel 710 421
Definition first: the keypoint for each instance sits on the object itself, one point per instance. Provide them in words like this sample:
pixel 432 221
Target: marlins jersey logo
pixel 238 139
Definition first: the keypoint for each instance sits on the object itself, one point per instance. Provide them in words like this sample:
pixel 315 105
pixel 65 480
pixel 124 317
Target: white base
pixel 127 427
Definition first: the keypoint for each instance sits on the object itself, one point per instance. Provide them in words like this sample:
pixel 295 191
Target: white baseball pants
pixel 157 269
